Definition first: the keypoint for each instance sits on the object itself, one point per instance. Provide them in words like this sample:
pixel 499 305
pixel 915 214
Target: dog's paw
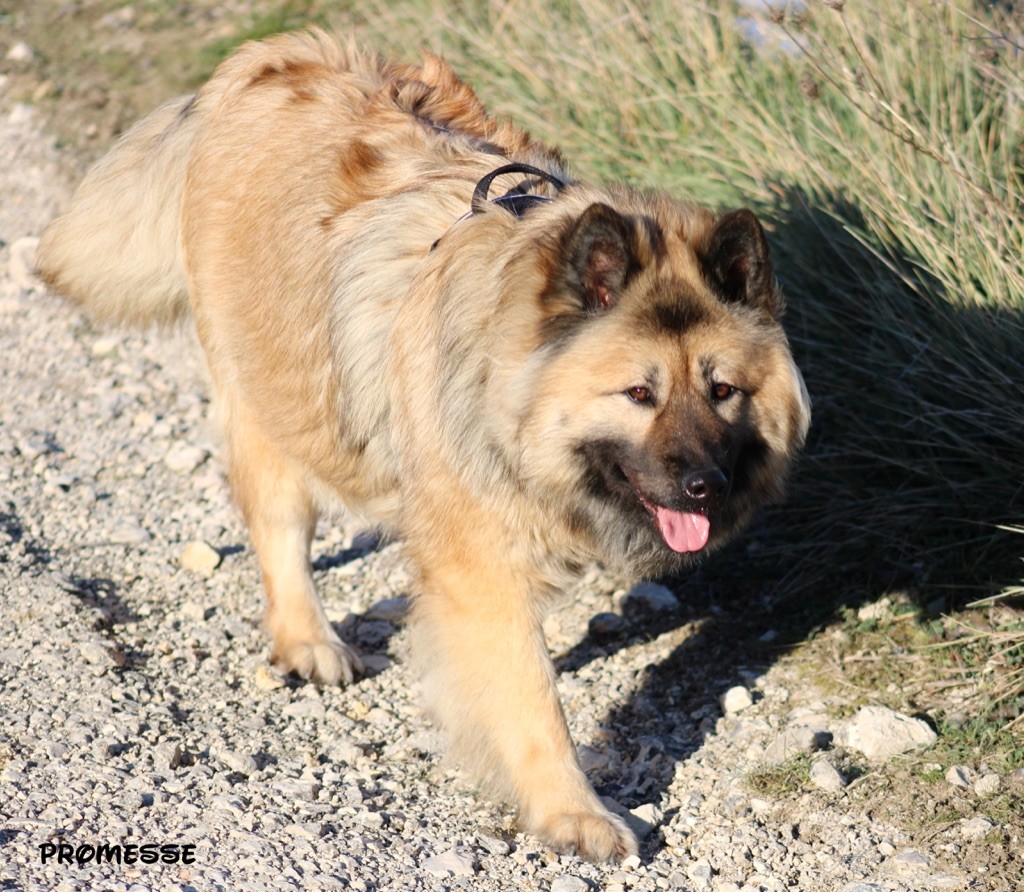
pixel 322 662
pixel 595 836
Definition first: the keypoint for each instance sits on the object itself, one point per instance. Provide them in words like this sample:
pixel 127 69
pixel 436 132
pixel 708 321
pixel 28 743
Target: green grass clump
pixel 781 779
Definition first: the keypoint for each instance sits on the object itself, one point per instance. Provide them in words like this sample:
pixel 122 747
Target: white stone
pixel 310 830
pixel 959 776
pixel 103 653
pixel 986 786
pixel 450 863
pixel 975 827
pixel 568 883
pixel 238 762
pixel 699 873
pixel 300 790
pixel 654 597
pixel 591 760
pixel 167 756
pixel 129 532
pixel 105 346
pixel 881 733
pixel 200 557
pixel 631 863
pixel 20 52
pixel 374 664
pixel 266 680
pixel 392 610
pixel 185 458
pixel 825 776
pixel 496 846
pixel 735 700
pixel 649 813
pixel 912 860
pixel 791 742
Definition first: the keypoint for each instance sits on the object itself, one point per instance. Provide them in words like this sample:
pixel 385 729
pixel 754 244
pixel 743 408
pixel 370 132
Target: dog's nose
pixel 707 487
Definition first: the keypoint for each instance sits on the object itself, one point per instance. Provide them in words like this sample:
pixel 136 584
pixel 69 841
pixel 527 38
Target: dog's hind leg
pixel 281 517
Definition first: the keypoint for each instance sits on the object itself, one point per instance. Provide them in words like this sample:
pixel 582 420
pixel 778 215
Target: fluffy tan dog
pixel 568 373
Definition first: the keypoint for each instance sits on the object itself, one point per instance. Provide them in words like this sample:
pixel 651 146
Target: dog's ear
pixel 737 263
pixel 598 257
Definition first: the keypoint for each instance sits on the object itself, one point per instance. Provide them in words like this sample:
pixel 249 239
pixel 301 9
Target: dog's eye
pixel 640 394
pixel 721 392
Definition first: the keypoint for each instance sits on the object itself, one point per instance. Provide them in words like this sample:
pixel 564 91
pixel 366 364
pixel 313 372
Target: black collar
pixel 516 201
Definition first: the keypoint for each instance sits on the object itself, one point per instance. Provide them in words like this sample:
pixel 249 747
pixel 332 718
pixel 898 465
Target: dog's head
pixel 665 405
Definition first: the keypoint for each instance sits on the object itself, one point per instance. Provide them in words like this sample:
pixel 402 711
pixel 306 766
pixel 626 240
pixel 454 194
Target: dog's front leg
pixel 489 680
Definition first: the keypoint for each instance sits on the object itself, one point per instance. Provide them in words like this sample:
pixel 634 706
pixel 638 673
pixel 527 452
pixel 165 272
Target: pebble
pixel 129 532
pixel 568 883
pixel 987 785
pixel 167 756
pixel 20 52
pixel 305 830
pixel 825 776
pixel 391 610
pixel 700 873
pixel 912 860
pixel 975 827
pixel 105 346
pixel 267 679
pixel 652 597
pixel 305 709
pixel 605 626
pixel 374 664
pixel 791 742
pixel 648 816
pixel 184 457
pixel 959 776
pixel 300 790
pixel 493 845
pixel 200 557
pixel 736 699
pixel 881 733
pixel 450 863
pixel 103 653
pixel 237 762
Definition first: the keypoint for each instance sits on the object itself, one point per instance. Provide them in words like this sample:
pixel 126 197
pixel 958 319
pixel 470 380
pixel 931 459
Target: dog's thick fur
pixel 602 378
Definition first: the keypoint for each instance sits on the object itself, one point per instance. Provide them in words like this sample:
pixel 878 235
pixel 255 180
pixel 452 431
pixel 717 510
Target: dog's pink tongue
pixel 682 531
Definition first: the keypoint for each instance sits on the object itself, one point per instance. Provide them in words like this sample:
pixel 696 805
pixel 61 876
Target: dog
pixel 518 385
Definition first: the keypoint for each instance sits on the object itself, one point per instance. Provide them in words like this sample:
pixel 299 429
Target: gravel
pixel 138 707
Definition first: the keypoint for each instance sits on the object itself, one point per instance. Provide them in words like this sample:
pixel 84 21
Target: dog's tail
pixel 117 249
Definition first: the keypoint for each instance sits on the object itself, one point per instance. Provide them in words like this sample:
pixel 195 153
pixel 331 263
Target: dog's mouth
pixel 685 532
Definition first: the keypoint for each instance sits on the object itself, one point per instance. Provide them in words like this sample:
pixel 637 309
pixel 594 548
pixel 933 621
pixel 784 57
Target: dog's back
pixel 118 249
